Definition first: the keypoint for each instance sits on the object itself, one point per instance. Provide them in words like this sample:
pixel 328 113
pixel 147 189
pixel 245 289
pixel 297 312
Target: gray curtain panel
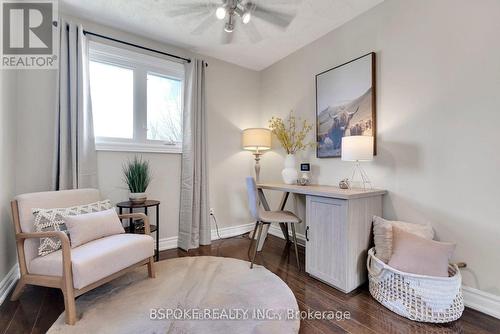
pixel 75 159
pixel 194 224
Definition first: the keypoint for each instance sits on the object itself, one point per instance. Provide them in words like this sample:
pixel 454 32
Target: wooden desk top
pixel 322 191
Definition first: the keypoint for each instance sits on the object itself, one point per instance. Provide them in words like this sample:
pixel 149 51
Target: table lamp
pixel 256 140
pixel 357 149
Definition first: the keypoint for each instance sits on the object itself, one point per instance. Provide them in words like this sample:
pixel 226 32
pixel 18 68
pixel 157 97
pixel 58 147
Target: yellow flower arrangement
pixel 289 135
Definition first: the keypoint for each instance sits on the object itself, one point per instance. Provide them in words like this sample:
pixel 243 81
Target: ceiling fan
pixel 233 12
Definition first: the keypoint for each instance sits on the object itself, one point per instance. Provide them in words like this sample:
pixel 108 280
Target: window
pixel 164 108
pixel 112 100
pixel 137 100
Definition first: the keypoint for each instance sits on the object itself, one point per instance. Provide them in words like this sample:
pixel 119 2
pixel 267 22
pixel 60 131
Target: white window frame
pixel 142 65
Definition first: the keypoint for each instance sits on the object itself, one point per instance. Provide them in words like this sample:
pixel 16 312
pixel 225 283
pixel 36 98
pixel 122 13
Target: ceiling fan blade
pixel 279 2
pixel 204 25
pixel 279 19
pixel 188 10
pixel 252 32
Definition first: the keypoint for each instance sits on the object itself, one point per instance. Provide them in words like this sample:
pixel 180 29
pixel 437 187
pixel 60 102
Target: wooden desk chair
pixel 267 217
pixel 80 269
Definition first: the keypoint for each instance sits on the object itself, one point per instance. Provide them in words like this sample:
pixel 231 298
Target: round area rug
pixel 189 295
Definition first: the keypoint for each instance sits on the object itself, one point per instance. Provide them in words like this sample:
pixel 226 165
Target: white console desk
pixel 338 225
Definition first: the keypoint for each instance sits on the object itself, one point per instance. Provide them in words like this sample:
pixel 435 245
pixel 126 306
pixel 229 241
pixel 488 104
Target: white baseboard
pixel 168 243
pixel 482 301
pixel 8 282
pixel 276 231
pixel 225 232
pixel 232 231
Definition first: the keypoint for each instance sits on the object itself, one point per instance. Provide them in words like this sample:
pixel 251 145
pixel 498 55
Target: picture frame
pixel 345 104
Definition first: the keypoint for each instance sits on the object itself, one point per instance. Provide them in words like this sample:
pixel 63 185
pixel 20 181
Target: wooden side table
pixel 132 226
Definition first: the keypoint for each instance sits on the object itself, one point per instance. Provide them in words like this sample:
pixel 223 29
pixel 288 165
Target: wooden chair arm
pixel 135 216
pixel 47 234
pixel 65 246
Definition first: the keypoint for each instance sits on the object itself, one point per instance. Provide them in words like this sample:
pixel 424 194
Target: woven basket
pixel 416 297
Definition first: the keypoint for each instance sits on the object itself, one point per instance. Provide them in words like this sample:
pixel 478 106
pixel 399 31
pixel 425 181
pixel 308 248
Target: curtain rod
pixel 137 46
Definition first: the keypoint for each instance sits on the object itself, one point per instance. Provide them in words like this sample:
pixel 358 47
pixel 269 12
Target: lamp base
pixel 257 155
pixel 365 181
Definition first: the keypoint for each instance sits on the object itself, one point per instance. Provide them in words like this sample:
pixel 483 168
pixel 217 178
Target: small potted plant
pixel 137 177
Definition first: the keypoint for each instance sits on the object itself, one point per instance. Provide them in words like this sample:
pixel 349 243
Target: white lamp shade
pixel 357 148
pixel 254 139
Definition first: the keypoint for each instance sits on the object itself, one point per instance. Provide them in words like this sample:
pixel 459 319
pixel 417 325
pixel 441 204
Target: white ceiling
pixel 149 18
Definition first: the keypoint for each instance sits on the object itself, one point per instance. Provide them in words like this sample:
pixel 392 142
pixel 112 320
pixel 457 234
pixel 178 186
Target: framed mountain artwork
pixel 345 104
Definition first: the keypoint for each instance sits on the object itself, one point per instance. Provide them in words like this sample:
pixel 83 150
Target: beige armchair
pixel 80 269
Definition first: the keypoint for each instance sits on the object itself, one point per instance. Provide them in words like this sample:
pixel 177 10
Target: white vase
pixel 289 173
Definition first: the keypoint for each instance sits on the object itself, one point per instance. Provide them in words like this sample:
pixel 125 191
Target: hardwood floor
pixel 39 307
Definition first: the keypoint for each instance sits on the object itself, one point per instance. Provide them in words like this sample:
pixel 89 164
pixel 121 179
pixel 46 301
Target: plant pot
pixel 289 173
pixel 137 198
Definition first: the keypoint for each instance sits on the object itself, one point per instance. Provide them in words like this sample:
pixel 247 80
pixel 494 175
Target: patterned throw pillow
pixel 53 220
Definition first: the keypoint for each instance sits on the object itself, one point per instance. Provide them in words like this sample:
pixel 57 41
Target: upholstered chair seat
pixel 96 259
pixel 278 217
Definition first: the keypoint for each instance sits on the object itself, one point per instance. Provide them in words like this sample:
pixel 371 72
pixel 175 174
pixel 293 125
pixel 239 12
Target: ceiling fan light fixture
pixel 229 27
pixel 221 13
pixel 246 17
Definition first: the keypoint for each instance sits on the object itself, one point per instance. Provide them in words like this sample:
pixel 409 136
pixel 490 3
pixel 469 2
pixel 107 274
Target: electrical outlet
pixel 212 211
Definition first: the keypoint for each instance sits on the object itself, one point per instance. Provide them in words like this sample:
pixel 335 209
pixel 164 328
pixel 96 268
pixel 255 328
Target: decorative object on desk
pixel 344 184
pixel 358 148
pixel 137 177
pixel 305 167
pixel 292 138
pixel 289 173
pixel 345 104
pixel 304 179
pixel 256 140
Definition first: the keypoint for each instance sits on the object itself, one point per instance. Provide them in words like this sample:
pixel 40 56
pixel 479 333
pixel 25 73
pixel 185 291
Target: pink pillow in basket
pixel 414 254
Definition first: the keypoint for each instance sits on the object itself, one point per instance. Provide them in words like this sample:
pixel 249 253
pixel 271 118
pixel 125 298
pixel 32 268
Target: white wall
pixel 438 115
pixel 8 80
pixel 232 103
